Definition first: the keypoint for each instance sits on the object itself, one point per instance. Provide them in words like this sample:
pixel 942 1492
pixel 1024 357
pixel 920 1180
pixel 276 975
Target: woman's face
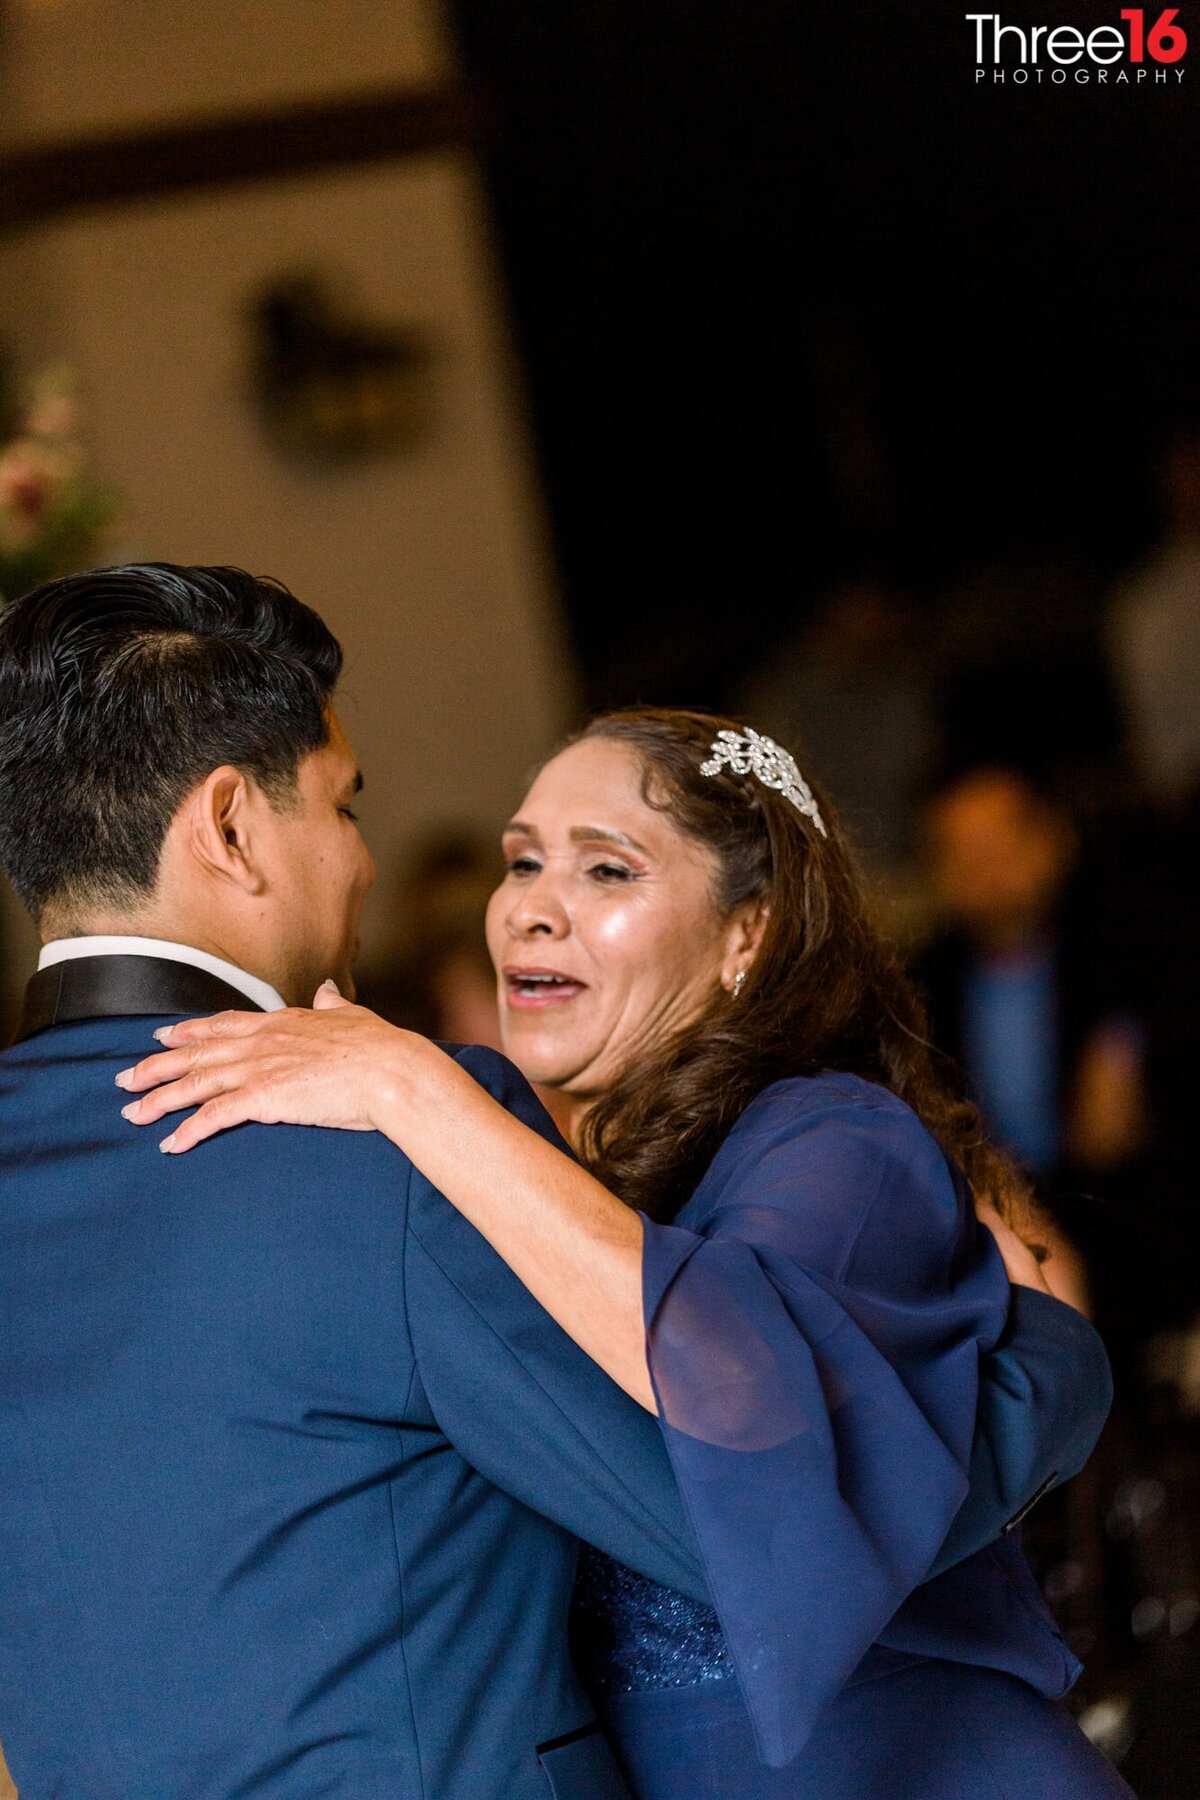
pixel 604 931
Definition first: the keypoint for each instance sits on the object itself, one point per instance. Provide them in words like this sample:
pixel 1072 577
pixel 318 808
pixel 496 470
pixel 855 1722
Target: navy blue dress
pixel 815 1319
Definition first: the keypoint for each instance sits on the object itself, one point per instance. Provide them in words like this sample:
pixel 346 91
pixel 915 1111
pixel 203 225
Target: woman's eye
pixel 611 872
pixel 348 812
pixel 522 865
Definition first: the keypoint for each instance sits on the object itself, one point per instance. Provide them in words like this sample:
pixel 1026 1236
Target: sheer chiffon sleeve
pixel 815 1319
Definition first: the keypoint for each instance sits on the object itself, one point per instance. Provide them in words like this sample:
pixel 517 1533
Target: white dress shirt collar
pixel 64 949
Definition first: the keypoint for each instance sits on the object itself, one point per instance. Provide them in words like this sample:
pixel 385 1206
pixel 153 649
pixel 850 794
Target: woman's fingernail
pixel 332 986
pixel 163 1033
pixel 168 1144
pixel 130 1111
pixel 124 1078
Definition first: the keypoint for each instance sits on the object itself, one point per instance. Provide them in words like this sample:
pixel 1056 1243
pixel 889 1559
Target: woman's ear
pixel 220 834
pixel 743 940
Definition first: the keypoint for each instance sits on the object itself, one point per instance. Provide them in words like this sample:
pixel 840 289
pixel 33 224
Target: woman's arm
pixel 576 1248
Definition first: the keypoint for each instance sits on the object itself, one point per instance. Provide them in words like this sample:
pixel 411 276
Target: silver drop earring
pixel 739 982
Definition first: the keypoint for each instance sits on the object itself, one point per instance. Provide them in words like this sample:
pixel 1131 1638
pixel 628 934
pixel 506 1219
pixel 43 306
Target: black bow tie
pixel 111 987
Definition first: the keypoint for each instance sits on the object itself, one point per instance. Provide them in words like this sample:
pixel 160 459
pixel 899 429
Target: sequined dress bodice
pixel 629 1635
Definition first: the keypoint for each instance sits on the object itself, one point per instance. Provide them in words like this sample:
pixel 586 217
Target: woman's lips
pixel 533 990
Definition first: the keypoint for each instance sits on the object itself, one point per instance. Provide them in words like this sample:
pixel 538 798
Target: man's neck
pixel 209 929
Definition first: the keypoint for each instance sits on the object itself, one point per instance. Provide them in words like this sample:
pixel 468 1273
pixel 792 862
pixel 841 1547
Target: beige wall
pixel 429 565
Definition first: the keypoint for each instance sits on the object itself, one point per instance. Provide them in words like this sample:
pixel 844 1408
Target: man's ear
pixel 220 820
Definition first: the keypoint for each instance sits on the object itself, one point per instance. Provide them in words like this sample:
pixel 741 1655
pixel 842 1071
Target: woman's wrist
pixel 402 1074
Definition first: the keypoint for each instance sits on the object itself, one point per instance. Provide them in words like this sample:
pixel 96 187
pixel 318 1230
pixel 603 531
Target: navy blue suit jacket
pixel 292 1468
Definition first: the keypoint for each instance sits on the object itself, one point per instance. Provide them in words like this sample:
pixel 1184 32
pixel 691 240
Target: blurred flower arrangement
pixel 55 516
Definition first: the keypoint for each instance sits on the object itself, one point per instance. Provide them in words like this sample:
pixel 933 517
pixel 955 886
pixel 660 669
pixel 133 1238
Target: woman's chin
pixel 542 1071
pixel 540 1058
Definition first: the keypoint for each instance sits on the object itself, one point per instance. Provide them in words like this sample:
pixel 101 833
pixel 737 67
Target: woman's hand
pixel 1023 1267
pixel 1059 1269
pixel 336 1065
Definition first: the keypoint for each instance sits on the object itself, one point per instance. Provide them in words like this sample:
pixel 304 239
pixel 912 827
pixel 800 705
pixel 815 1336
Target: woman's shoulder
pixel 799 1104
pixel 839 1151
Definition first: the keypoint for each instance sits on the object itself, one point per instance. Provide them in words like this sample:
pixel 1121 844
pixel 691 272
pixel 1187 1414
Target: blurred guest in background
pixel 1018 997
pixel 999 854
pixel 1064 979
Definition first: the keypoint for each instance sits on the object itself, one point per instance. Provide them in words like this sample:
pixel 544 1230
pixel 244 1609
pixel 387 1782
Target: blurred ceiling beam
pixel 46 180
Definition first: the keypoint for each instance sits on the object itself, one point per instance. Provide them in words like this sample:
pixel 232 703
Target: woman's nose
pixel 538 911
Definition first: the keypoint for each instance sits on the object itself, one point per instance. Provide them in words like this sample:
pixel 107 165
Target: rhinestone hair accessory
pixel 749 753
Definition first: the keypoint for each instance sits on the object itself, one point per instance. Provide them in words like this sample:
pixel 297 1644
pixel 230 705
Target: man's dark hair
pixel 120 691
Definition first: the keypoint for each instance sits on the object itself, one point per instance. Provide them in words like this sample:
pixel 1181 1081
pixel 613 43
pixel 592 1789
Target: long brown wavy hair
pixel 825 990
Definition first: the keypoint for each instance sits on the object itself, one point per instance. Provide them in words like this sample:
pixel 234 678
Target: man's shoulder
pixel 491 1068
pixel 58 1092
pixel 298 1153
pixel 505 1082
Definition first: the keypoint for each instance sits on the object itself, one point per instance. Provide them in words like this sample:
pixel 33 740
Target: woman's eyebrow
pixel 580 834
pixel 587 834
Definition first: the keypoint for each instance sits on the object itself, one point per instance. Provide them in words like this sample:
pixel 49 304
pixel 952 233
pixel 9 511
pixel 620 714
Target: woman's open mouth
pixel 530 990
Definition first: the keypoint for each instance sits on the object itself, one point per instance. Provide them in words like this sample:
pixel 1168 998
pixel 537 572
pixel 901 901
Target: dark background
pixel 796 296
